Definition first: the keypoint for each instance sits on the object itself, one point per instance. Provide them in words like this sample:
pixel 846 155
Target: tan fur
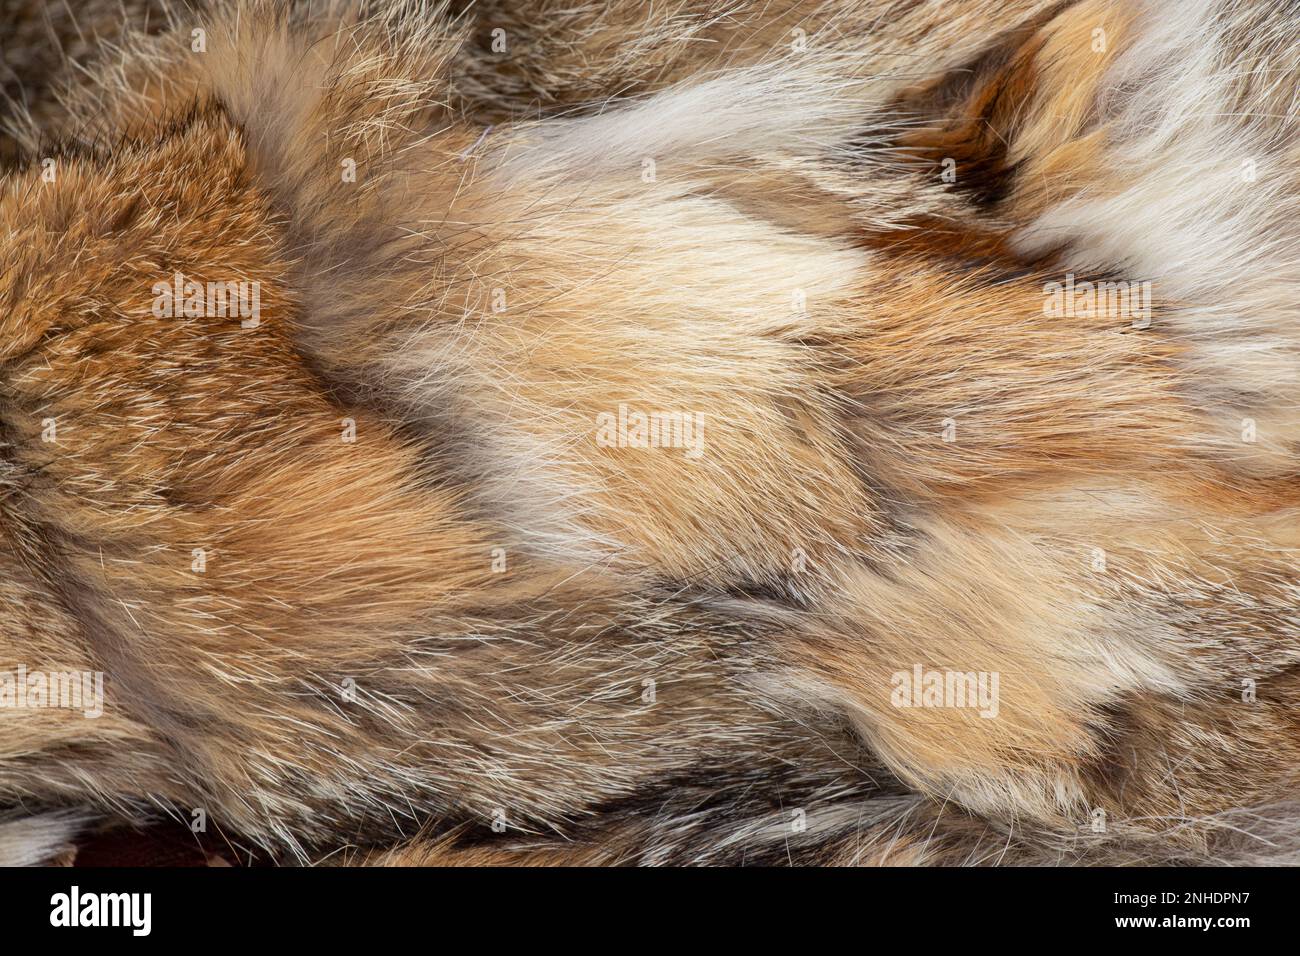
pixel 679 652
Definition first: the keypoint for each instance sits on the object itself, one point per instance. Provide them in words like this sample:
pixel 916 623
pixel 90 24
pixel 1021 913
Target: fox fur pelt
pixel 644 404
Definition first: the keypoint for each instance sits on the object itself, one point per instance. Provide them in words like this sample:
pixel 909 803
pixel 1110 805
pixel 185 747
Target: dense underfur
pixel 438 621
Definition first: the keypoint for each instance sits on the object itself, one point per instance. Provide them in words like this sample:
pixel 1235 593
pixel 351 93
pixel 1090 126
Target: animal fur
pixel 476 634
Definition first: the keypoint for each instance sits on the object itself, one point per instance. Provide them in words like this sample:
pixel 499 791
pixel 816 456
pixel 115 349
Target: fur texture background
pixel 476 634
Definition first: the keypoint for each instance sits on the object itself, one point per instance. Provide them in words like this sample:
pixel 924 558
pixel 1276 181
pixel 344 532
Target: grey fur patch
pixel 37 840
